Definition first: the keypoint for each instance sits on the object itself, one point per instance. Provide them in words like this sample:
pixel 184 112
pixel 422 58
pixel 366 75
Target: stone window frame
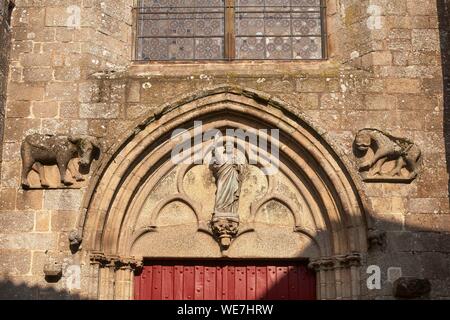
pixel 230 41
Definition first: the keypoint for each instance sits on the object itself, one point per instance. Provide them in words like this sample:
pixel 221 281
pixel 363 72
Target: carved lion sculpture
pixel 405 153
pixel 38 150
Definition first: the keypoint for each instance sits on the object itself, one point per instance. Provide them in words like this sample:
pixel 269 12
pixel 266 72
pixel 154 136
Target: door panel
pixel 210 280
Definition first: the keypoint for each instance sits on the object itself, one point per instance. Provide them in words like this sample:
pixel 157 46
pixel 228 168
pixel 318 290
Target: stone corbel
pixel 53 269
pixel 225 229
pixel 376 239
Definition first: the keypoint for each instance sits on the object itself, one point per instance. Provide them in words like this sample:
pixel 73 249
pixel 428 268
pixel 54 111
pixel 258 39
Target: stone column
pixel 338 276
pixel 124 284
pixel 115 276
pixel 93 280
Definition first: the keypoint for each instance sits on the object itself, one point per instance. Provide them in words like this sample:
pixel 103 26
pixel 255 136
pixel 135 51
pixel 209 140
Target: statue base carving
pixel 225 229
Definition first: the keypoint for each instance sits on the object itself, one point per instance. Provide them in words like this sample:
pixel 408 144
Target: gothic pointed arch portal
pixel 140 203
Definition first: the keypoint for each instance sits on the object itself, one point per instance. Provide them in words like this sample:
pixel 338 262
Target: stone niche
pixel 175 218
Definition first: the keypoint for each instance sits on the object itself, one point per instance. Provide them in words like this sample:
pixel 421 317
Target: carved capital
pixel 322 264
pixel 104 261
pixel 116 262
pixel 129 264
pixel 336 262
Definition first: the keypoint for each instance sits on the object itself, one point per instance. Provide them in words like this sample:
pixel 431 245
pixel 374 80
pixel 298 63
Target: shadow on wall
pixel 420 252
pixel 410 251
pixel 444 28
pixel 14 290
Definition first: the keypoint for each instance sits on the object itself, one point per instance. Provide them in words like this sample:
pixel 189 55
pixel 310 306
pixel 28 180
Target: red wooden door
pixel 207 280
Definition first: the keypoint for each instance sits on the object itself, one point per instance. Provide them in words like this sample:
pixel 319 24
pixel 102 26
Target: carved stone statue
pixel 229 175
pixel 403 153
pixel 40 150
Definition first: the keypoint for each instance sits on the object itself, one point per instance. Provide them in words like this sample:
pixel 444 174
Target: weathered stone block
pixel 18 109
pixel 427 222
pixel 56 16
pixel 42 221
pixel 311 85
pixel 30 241
pixel 60 91
pixel 14 262
pixel 65 35
pixel 67 74
pixel 403 86
pixel 423 7
pixel 63 220
pixel 11 151
pixel 69 110
pixel 62 199
pixel 380 102
pixel 29 199
pixel 45 109
pixel 25 91
pixel 304 101
pixel 14 222
pixel 10 174
pixel 7 199
pixel 400 241
pixel 36 60
pixel 99 110
pixel 424 205
pixel 378 58
pixel 134 91
pixel 432 242
pixel 426 40
pixel 37 74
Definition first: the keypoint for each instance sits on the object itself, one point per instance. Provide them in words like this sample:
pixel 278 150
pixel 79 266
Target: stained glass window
pixel 230 29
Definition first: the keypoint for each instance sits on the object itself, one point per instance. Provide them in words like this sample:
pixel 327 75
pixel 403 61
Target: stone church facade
pixel 89 106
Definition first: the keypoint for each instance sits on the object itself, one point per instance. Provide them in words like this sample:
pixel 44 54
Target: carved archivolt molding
pixel 336 262
pixel 120 186
pixel 386 158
